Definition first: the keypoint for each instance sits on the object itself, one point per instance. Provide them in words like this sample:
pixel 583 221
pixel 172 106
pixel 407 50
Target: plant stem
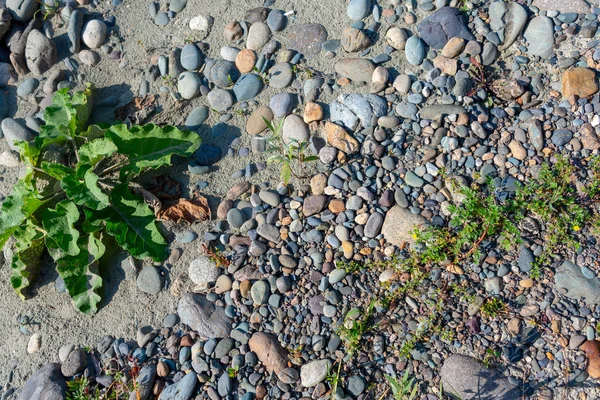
pixel 74 145
pixel 113 168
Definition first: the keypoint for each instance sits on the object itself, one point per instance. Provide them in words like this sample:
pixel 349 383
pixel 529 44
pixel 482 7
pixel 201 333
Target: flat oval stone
pixel 191 57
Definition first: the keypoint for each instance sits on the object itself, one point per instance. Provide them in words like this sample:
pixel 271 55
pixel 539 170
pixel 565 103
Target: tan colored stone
pixel 245 60
pixel 589 140
pixel 399 224
pixel 233 31
pixel 312 112
pixel 340 139
pixel 348 248
pixel 446 65
pixel 517 150
pixel 269 351
pixel 396 37
pixel 578 82
pixel 526 283
pixel 255 123
pixel 454 47
pixel 336 206
pixel 318 183
pixel 354 40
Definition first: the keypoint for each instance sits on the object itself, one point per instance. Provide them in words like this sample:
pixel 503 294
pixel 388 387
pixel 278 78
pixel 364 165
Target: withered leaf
pixel 591 348
pixel 194 210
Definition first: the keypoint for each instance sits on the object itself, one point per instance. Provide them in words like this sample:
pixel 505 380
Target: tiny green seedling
pixel 289 155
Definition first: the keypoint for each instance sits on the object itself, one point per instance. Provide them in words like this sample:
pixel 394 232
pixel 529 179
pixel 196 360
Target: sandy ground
pixel 125 307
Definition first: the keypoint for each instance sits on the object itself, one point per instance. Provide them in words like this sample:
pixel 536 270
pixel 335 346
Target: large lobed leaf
pixel 131 222
pixel 17 207
pixel 59 223
pixel 95 150
pixel 80 186
pixel 26 260
pixel 80 271
pixel 69 110
pixel 151 146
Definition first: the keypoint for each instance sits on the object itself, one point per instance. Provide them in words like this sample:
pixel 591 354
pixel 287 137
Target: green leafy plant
pixel 233 371
pixel 333 378
pixel 553 199
pixel 77 389
pixel 289 155
pixel 75 192
pixel 492 357
pixel 404 389
pixel 493 307
pixel 356 323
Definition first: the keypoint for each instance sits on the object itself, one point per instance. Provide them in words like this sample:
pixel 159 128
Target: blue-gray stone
pixel 208 154
pixel 27 87
pixel 276 20
pixel 188 85
pixel 14 132
pixel 414 50
pixel 177 5
pixel 182 390
pixel 359 9
pixel 575 285
pixel 442 25
pixel 191 57
pixel 560 137
pixel 247 87
pixel 281 104
pixel 161 19
pixel 222 73
pixel 22 10
pixel 526 259
pixel 74 31
pixel 197 117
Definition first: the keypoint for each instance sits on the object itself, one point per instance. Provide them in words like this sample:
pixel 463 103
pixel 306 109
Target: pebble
pixel 94 33
pixel 149 280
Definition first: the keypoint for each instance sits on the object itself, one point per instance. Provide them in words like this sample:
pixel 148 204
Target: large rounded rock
pixel 220 99
pixel 306 39
pixel 269 351
pixel 206 318
pixel 399 224
pixel 40 53
pixel 442 25
pixel 256 122
pixel 14 132
pixel 467 378
pixel 191 57
pixel 75 363
pixel 188 85
pixel 47 383
pixel 540 37
pixel 359 9
pixel 258 35
pixel 222 73
pixel 356 69
pixel 247 87
pixel 22 10
pixel 94 34
pixel 294 129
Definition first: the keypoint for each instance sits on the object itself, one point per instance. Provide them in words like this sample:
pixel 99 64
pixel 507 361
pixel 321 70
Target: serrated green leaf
pixel 57 171
pixel 59 223
pixel 80 272
pixel 28 151
pixel 94 151
pixel 83 189
pixel 131 222
pixel 151 146
pixel 26 260
pixel 17 207
pixel 69 110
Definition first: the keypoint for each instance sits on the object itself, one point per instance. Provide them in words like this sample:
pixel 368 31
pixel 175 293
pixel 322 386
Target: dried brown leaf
pixel 194 210
pixel 591 348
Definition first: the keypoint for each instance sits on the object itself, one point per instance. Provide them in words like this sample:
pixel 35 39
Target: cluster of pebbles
pixel 419 94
